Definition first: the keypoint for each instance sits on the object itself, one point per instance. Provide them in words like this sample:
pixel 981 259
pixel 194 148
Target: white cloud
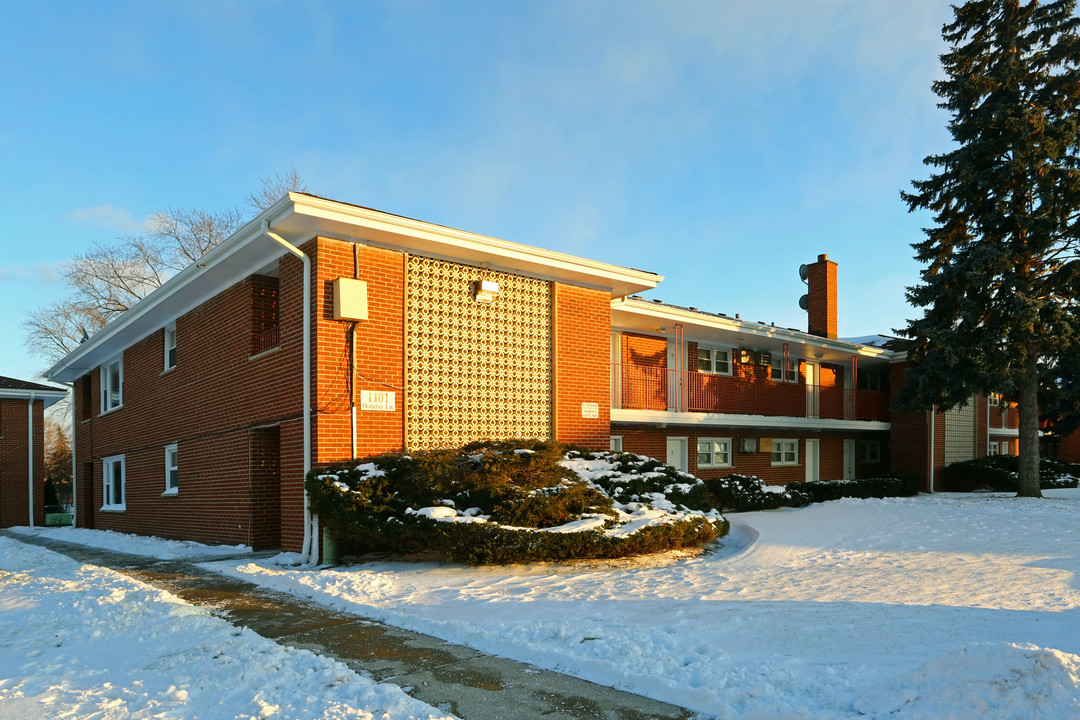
pixel 45 273
pixel 109 216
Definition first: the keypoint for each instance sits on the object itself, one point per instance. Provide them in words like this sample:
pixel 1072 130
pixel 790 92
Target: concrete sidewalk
pixel 456 679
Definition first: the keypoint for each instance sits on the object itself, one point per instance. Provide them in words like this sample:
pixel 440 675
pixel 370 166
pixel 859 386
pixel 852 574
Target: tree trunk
pixel 1028 408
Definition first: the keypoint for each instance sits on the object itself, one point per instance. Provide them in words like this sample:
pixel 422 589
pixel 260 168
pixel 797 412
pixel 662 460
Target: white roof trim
pixel 299 218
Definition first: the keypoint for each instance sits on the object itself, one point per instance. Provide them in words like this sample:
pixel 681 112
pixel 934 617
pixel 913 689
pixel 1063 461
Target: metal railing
pixel 636 387
pixel 265 340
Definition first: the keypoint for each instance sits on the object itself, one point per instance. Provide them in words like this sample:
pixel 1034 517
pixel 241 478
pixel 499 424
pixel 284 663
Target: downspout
pixel 310 551
pixel 933 432
pixel 74 464
pixel 30 452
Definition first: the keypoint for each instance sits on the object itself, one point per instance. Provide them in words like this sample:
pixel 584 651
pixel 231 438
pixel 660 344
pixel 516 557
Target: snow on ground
pixel 931 607
pixel 135 544
pixel 936 607
pixel 81 641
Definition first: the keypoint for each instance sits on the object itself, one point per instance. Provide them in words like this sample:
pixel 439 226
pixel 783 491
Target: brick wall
pixel 582 356
pixel 208 405
pixel 379 352
pixel 15 461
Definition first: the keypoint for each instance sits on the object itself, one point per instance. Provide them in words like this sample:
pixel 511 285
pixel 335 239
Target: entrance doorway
pixel 813 450
pixel 676 453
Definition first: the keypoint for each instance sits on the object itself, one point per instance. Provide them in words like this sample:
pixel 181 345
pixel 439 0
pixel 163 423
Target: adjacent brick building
pixel 322 331
pixel 22 450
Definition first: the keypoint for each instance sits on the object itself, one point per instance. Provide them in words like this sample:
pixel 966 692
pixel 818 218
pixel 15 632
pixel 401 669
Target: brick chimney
pixel 821 297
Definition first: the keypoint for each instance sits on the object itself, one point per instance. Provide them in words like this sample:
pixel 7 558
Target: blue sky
pixel 720 143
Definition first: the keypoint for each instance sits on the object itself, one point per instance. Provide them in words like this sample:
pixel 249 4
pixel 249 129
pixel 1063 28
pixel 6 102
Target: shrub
pixel 1000 473
pixel 509 500
pixel 744 493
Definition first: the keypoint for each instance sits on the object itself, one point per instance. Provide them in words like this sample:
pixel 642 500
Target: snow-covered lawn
pixel 944 606
pixel 931 607
pixel 78 641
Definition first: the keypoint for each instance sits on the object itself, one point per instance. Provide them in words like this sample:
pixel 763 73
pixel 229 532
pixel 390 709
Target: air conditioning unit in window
pixel 765 358
pixel 748 445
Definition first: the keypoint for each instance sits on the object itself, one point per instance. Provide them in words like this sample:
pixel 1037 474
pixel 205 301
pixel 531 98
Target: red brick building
pixel 22 450
pixel 322 331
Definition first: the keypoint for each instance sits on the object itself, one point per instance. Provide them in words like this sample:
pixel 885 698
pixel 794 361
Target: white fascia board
pixel 318 216
pixel 50 397
pixel 742 327
pixel 732 420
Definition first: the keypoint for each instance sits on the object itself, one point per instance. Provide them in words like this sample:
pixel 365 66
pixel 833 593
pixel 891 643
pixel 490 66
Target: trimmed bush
pixel 512 501
pixel 746 493
pixel 1000 473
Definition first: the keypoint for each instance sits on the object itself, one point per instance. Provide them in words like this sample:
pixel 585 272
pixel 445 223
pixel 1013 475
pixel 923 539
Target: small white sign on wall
pixel 590 410
pixel 378 400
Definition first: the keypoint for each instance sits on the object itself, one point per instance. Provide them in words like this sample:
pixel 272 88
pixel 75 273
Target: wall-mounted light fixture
pixel 485 291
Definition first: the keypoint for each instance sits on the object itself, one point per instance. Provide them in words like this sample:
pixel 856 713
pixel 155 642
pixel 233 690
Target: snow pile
pixel 1018 682
pixel 85 642
pixel 135 544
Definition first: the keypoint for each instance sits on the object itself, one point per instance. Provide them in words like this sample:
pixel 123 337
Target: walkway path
pixel 457 679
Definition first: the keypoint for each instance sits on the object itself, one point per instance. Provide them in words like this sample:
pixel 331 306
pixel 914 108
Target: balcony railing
pixel 264 340
pixel 635 387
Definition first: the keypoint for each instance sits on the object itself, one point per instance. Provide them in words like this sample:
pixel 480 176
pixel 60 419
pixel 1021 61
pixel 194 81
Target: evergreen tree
pixel 1000 286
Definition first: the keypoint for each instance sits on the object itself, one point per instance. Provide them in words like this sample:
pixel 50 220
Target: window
pixel 782 374
pixel 170 346
pixel 785 452
pixel 1006 448
pixel 994 399
pixel 992 449
pixel 616 443
pixel 714 452
pixel 713 360
pixel 872 381
pixel 172 474
pixel 112 385
pixel 871 451
pixel 87 397
pixel 112 483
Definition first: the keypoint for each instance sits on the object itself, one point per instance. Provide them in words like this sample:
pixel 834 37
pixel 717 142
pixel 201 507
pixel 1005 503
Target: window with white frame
pixel 785 451
pixel 616 443
pixel 112 385
pixel 714 360
pixel 871 451
pixel 172 473
pixel 714 452
pixel 1006 448
pixel 994 399
pixel 992 448
pixel 170 346
pixel 112 483
pixel 782 373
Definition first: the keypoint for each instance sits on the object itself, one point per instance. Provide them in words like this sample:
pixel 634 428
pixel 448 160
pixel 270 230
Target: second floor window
pixel 784 372
pixel 112 385
pixel 713 360
pixel 170 346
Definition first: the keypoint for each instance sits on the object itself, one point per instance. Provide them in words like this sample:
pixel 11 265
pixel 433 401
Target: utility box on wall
pixel 350 299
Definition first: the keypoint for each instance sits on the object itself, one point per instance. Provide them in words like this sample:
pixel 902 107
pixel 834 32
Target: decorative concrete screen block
pixel 475 370
pixel 350 299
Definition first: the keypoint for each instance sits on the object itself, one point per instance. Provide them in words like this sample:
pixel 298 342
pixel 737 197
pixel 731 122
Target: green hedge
pixel 518 483
pixel 746 493
pixel 1000 472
